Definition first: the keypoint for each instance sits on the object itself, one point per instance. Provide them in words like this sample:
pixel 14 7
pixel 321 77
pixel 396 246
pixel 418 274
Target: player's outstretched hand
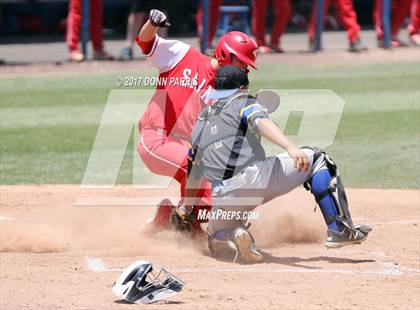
pixel 300 158
pixel 158 19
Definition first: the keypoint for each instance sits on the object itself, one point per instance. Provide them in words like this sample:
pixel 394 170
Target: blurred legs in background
pixel 399 10
pixel 139 13
pixel 282 10
pixel 349 18
pixel 134 22
pixel 74 21
pixel 414 26
pixel 213 19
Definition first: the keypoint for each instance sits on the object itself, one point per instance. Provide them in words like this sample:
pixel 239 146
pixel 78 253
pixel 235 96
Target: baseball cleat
pixel 160 221
pixel 102 55
pixel 126 54
pixel 76 56
pixel 264 49
pixel 415 39
pixel 277 49
pixel 347 237
pixel 395 42
pixel 357 46
pixel 312 45
pixel 245 247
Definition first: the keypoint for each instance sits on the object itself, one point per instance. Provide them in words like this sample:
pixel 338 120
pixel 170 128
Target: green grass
pixel 49 124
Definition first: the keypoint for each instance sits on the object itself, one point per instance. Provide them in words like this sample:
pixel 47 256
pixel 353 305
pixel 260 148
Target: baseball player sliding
pixel 166 125
pixel 226 150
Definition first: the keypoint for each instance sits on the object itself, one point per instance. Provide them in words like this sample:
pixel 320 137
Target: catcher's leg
pixel 230 239
pixel 328 190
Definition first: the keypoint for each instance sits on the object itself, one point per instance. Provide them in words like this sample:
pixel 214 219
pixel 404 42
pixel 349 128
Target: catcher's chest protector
pixel 221 143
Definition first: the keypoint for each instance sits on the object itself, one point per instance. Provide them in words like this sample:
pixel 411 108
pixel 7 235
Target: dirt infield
pixel 55 255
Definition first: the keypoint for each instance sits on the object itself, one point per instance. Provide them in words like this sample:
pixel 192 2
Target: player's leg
pixel 259 12
pixel 313 21
pixel 349 18
pixel 74 20
pixel 282 10
pixel 253 186
pixel 414 26
pixel 95 29
pixel 168 157
pixel 136 18
pixel 377 20
pixel 230 238
pixel 95 24
pixel 163 159
pixel 325 183
pixel 400 9
pixel 163 156
pixel 214 19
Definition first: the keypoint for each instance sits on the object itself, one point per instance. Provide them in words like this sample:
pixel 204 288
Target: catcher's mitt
pixel 183 223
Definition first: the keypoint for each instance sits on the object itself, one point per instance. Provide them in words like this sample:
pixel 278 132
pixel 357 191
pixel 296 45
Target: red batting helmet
pixel 238 44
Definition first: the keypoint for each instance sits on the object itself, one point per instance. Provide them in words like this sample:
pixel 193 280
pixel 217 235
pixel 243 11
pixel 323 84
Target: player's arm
pixel 255 116
pixel 269 130
pixel 163 54
pixel 148 32
pixel 150 28
pixel 147 36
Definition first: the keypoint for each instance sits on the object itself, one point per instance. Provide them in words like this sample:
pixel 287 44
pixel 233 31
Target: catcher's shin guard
pixel 339 211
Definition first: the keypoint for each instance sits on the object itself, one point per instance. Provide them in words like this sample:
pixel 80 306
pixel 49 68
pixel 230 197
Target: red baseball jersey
pixel 185 75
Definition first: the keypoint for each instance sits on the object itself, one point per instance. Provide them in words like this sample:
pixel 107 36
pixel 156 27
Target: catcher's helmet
pixel 138 284
pixel 238 44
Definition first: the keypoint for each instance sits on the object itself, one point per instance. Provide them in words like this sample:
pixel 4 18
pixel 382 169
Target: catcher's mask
pixel 138 284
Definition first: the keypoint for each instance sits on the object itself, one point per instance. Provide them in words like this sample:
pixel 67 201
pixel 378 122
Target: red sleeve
pixel 145 46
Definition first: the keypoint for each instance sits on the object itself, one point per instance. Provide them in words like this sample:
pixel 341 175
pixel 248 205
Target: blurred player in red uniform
pixel 349 19
pixel 399 10
pixel 213 19
pixel 166 125
pixel 414 26
pixel 282 10
pixel 74 21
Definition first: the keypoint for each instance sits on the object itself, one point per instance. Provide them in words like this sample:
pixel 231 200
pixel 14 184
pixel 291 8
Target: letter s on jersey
pixel 192 82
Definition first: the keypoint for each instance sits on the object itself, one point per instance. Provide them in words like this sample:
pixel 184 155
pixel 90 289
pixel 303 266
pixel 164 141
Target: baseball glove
pixel 184 222
pixel 158 19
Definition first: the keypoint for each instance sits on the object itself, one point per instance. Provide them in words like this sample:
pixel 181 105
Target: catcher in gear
pixel 226 150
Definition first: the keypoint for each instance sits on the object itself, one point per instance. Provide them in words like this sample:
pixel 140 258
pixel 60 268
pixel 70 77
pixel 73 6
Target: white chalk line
pixel 97 265
pixel 387 268
pixel 36 220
